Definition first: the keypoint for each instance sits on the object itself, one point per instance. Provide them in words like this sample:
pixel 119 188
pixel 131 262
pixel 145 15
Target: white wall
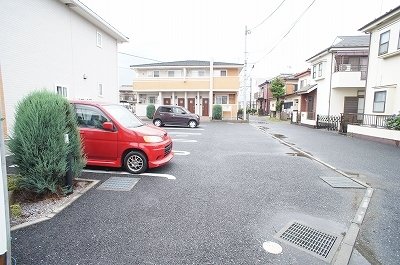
pixel 323 83
pixel 383 71
pixel 44 44
pixel 337 99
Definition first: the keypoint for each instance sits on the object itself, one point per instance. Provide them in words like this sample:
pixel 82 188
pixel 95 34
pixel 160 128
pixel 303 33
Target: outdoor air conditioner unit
pixel 345 67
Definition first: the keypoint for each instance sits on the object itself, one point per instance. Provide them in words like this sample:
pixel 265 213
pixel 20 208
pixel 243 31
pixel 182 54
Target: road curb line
pixel 73 198
pixel 343 255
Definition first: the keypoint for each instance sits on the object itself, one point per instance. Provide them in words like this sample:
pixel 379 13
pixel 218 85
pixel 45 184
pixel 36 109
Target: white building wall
pixel 44 44
pixel 383 71
pixel 337 99
pixel 323 82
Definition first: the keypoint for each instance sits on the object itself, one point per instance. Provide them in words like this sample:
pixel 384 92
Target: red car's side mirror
pixel 109 126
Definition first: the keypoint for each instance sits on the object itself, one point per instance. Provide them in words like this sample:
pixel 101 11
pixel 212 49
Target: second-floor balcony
pixel 348 75
pixel 220 83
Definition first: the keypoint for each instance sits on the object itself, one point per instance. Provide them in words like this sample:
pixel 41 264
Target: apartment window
pixel 314 71
pixel 221 99
pixel 99 39
pixel 100 89
pixel 303 83
pixel 379 101
pixel 223 73
pixel 319 69
pixel 152 100
pixel 171 73
pixel 398 42
pixel 62 91
pixel 384 42
pixel 156 73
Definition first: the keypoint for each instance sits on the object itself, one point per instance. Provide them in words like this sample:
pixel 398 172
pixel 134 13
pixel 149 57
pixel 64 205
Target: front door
pixel 192 105
pixel 100 146
pixel 205 107
pixel 181 102
pixel 167 101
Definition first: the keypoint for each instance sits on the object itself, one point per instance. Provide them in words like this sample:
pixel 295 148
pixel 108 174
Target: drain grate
pixel 342 182
pixel 118 184
pixel 313 241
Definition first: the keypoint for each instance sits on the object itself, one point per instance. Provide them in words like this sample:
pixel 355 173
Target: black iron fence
pixel 339 122
pixel 379 121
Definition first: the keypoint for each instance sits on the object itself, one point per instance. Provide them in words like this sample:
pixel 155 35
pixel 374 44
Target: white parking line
pixel 184 140
pixel 186 133
pixel 168 176
pixel 192 129
pixel 181 153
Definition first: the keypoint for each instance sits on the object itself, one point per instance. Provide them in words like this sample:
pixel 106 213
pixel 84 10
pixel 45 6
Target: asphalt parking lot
pixel 229 189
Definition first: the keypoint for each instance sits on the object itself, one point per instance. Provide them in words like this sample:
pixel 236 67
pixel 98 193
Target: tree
pixel 278 91
pixel 38 142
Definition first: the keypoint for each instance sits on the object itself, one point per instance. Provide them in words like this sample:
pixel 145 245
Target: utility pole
pixel 246 32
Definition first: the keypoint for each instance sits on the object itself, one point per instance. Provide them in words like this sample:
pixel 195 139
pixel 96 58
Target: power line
pixel 262 22
pixel 141 57
pixel 287 33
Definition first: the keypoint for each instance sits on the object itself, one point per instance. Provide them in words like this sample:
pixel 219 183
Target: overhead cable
pixel 287 33
pixel 262 22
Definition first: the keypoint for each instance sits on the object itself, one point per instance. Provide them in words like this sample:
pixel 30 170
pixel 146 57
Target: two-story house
pixel 58 45
pixel 195 85
pixel 288 99
pixel 340 73
pixel 263 101
pixel 382 96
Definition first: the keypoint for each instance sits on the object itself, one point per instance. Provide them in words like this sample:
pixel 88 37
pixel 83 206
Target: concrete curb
pixel 343 255
pixel 74 197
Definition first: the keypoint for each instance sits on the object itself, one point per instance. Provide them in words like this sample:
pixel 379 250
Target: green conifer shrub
pixel 150 109
pixel 38 142
pixel 217 112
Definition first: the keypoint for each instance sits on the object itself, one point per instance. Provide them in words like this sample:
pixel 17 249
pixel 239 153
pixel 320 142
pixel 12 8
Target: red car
pixel 112 136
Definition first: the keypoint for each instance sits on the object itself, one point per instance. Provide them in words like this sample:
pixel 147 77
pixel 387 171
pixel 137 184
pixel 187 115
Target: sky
pixel 176 30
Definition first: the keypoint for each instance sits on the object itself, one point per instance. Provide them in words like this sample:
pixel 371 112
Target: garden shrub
pixel 217 112
pixel 16 210
pixel 38 142
pixel 150 109
pixel 394 123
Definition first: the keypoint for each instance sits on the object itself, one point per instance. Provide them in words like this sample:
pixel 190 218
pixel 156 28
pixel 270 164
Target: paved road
pixel 378 164
pixel 235 190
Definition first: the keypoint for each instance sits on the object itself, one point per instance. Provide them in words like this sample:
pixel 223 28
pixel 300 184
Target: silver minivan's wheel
pixel 192 124
pixel 135 162
pixel 157 122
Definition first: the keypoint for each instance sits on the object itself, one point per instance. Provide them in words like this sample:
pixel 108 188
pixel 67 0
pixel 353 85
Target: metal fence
pixel 379 121
pixel 331 122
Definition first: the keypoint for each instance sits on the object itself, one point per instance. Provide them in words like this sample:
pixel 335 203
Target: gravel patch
pixel 32 211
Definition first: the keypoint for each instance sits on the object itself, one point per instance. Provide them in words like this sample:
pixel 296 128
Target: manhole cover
pixel 342 182
pixel 118 184
pixel 317 243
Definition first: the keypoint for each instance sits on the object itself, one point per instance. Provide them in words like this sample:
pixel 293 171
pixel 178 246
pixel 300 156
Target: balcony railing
pixel 352 68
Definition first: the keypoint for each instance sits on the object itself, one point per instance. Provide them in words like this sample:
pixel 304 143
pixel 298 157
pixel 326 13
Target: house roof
pixel 380 20
pixel 345 42
pixel 95 19
pixel 307 89
pixel 187 63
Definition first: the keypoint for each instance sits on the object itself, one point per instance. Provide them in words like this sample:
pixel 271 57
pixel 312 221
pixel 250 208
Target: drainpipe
pixel 210 95
pixel 330 88
pixel 366 80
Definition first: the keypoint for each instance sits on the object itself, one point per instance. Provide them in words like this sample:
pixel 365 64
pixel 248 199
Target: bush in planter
pixel 217 112
pixel 150 109
pixel 393 123
pixel 38 142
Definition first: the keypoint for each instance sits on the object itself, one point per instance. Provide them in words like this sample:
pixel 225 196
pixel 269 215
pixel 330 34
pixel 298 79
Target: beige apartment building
pixel 195 85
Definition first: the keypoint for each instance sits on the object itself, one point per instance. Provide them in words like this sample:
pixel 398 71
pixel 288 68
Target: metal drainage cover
pixel 342 182
pixel 118 184
pixel 317 243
